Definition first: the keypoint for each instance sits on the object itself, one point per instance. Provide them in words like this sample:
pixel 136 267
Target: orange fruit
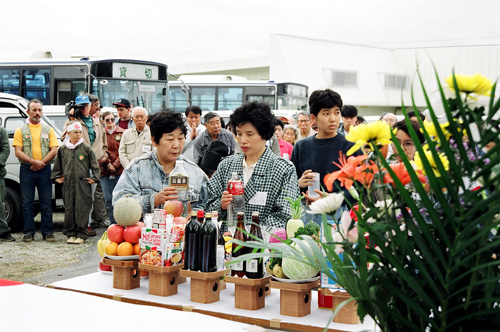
pixel 137 249
pixel 125 249
pixel 111 248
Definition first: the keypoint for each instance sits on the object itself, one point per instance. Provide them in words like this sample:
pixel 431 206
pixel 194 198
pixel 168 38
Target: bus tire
pixel 13 210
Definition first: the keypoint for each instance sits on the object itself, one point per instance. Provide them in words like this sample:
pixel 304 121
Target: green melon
pixel 127 211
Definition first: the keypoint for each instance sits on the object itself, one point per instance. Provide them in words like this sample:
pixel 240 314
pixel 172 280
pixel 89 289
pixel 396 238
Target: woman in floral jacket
pixel 111 169
pixel 268 179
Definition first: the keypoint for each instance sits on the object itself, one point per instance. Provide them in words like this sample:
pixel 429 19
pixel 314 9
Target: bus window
pixel 263 99
pixel 36 84
pixel 229 98
pixel 178 99
pixel 9 81
pixel 204 98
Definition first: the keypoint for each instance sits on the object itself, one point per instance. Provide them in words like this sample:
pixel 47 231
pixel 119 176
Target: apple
pixel 115 233
pixel 104 267
pixel 140 224
pixel 132 234
pixel 174 208
pixel 180 220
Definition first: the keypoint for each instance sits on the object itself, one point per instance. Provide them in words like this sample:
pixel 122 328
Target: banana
pixel 101 244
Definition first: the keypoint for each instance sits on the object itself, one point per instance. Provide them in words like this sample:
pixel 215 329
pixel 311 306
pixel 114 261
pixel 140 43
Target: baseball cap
pixel 81 100
pixel 122 103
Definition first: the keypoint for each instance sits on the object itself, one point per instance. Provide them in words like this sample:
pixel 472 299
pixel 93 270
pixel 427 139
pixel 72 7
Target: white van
pixel 12 116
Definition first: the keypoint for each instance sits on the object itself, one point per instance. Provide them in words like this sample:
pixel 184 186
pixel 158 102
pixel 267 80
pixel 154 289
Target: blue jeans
pixel 41 181
pixel 108 185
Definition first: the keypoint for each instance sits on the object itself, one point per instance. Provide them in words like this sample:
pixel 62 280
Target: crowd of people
pixel 104 158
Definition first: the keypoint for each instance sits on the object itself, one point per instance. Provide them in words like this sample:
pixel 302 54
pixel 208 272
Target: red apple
pixel 104 267
pixel 180 220
pixel 132 234
pixel 115 233
pixel 174 208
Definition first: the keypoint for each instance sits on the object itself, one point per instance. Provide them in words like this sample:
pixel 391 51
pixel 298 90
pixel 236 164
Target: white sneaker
pixel 71 240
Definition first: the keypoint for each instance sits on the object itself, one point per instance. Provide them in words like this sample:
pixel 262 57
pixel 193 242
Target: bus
pixel 56 82
pixel 227 92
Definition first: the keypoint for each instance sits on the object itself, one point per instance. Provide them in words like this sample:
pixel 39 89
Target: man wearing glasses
pixel 135 141
pixel 304 122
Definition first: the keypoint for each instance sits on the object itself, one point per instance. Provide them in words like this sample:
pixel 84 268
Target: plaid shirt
pixel 273 175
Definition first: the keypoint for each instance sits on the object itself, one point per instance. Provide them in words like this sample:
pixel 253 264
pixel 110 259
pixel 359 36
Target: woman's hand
pixel 167 194
pixel 226 199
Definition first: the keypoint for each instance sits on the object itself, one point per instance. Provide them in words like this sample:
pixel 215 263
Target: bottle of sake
pixel 255 266
pixel 238 269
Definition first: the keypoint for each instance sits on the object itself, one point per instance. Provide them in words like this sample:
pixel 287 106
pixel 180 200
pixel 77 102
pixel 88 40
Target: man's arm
pixel 122 155
pixel 4 147
pixel 197 149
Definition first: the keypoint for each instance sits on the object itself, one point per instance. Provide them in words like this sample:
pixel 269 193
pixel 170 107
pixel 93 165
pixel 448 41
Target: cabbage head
pixel 295 270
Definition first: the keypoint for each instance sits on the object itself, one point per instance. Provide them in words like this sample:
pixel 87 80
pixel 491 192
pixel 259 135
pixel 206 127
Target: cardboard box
pixel 157 250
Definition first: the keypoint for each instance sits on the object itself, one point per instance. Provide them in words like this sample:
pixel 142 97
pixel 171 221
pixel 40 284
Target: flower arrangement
pixel 419 251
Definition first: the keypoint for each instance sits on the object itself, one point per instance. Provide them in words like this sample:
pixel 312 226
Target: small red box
pixel 324 302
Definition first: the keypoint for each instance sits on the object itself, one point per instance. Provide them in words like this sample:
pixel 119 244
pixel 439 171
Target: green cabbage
pixel 295 270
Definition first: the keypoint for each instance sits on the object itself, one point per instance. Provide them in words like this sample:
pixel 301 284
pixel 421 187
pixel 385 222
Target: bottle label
pixel 179 182
pixel 252 265
pixel 237 266
pixel 235 188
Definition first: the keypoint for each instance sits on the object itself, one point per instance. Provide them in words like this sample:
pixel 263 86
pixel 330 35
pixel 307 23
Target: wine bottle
pixel 208 248
pixel 238 269
pixel 191 243
pixel 255 266
pixel 221 244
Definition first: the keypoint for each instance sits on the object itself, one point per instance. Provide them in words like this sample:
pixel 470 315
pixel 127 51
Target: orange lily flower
pixel 365 174
pixel 347 173
pixel 402 175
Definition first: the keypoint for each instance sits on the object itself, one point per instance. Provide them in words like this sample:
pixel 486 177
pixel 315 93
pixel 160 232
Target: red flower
pixel 402 174
pixel 347 173
pixel 365 174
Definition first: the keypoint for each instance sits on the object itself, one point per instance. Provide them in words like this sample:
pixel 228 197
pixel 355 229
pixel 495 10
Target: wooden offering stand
pixel 295 299
pixel 349 312
pixel 250 294
pixel 205 286
pixel 163 280
pixel 125 273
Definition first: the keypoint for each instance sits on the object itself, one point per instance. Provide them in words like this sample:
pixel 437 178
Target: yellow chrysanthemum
pixel 432 131
pixel 476 83
pixel 428 155
pixel 377 132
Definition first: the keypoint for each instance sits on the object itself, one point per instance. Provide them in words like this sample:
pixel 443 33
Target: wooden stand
pixel 205 286
pixel 249 293
pixel 125 273
pixel 163 280
pixel 349 312
pixel 295 299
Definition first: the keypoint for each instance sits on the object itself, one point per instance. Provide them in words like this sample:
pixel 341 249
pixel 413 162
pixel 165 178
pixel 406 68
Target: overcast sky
pixel 197 31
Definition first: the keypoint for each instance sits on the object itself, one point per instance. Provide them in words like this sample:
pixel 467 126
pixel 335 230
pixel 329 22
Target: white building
pixel 373 79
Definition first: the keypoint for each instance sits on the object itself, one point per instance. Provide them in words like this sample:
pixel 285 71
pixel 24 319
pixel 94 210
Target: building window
pixel 344 78
pixel 395 81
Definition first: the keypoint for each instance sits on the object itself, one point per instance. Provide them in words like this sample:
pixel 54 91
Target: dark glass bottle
pixel 255 266
pixel 208 247
pixel 238 269
pixel 191 243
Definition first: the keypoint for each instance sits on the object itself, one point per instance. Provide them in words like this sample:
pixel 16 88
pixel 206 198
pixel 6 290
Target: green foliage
pixel 430 261
pixel 296 209
pixel 311 228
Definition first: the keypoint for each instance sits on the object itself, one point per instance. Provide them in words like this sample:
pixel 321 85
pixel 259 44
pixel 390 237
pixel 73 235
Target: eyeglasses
pixel 407 145
pixel 303 121
pixel 109 120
